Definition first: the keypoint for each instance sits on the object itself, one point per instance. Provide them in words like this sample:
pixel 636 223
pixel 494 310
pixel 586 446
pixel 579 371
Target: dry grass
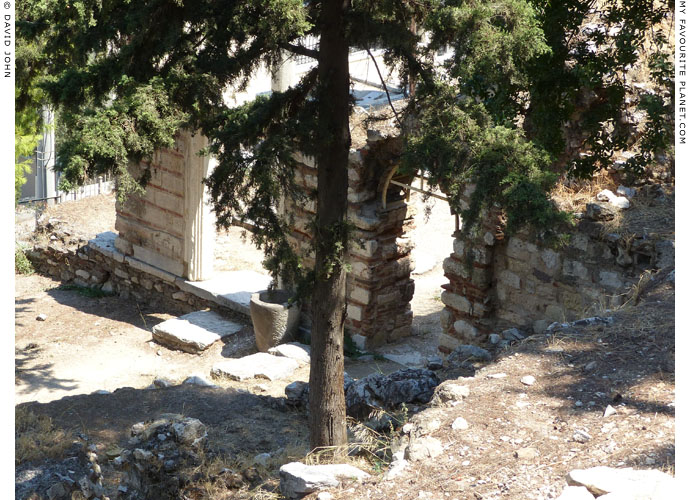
pixel 573 195
pixel 36 438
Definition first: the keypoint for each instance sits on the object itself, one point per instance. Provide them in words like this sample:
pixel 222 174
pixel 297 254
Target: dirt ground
pixel 519 444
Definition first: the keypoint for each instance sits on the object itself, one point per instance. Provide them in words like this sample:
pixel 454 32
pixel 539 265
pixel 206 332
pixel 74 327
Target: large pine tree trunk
pixel 326 396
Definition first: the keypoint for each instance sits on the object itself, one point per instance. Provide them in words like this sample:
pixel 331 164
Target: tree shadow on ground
pixel 239 423
pixel 21 306
pixel 36 376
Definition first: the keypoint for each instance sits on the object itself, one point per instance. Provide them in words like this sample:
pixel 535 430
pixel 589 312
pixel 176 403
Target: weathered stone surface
pixel 465 352
pixel 195 331
pixel 293 350
pixel 449 393
pixel 597 211
pixel 297 393
pixel 636 484
pixel 575 493
pixel 158 452
pixel 377 391
pixel 274 319
pixel 423 448
pixel 259 365
pixel 298 480
pixel 610 279
pixel 455 301
pixel 198 380
pixel 465 329
pixel 460 424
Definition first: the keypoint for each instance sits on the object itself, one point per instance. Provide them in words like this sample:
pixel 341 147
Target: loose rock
pixel 298 479
pixel 423 448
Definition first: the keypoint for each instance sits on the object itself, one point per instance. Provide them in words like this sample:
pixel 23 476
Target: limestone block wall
pixel 497 283
pixel 379 287
pixel 170 226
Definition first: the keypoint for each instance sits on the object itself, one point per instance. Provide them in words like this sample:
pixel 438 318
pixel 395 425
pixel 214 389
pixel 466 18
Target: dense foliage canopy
pixel 532 89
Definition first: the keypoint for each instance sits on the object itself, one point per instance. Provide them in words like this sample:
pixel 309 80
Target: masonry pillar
pixel 283 75
pixel 468 300
pixel 199 221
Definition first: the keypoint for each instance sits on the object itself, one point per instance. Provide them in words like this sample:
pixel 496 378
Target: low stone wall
pixel 98 264
pixel 497 283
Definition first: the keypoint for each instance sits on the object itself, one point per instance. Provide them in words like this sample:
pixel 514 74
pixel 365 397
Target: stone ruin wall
pixel 498 282
pixel 170 226
pixel 494 282
pixel 379 285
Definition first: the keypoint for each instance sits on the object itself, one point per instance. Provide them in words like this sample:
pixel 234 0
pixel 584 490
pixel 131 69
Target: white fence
pixel 101 185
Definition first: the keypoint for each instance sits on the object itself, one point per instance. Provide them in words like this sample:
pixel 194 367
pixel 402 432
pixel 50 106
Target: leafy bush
pixel 22 265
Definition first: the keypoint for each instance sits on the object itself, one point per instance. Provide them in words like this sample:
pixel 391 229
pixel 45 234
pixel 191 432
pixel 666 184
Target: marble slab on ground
pixel 231 289
pixel 292 350
pixel 259 365
pixel 411 352
pixel 195 331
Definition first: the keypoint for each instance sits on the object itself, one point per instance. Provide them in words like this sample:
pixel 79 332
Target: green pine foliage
pixel 127 75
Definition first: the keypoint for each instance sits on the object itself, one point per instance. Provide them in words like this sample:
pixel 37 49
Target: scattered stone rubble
pixel 160 456
pixel 376 391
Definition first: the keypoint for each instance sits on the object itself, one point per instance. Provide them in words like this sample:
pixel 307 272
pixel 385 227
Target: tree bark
pixel 326 395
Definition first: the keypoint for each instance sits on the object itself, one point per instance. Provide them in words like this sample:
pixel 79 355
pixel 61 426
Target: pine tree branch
pixel 300 50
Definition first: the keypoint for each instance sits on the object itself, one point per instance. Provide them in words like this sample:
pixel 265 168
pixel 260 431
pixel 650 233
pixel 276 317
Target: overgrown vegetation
pixel 22 265
pixel 36 438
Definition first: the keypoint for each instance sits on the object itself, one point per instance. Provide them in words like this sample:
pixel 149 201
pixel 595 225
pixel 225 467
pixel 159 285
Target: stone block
pixel 361 295
pixel 123 246
pixel 388 298
pixel 519 249
pixel 455 301
pixel 519 266
pixel 357 196
pixel 367 250
pixel 465 329
pixel 361 270
pixel 540 326
pixel 481 255
pixel 478 309
pixel 575 269
pixel 259 365
pixel 579 241
pixel 168 201
pixel 509 278
pixel 447 342
pixel 194 332
pixel 481 277
pixel 120 273
pixel 161 262
pixel 82 274
pixel 446 318
pixel 611 280
pixel 550 259
pixel 459 247
pixel 454 267
pixel 354 312
pixel 554 313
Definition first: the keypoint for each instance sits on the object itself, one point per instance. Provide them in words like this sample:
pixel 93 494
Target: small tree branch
pixel 385 88
pixel 300 50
